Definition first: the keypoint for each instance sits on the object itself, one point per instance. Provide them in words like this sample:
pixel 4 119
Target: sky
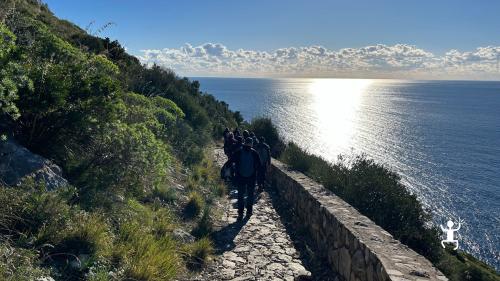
pixel 314 38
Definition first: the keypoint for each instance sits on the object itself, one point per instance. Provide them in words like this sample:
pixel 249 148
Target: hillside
pixel 131 142
pixel 134 145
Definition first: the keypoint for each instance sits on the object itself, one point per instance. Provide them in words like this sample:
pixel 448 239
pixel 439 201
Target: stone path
pixel 258 248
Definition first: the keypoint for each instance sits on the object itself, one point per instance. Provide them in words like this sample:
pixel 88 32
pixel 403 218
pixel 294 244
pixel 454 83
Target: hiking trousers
pixel 246 185
pixel 261 177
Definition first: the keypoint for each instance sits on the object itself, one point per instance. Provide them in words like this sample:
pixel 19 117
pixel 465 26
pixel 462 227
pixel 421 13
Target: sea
pixel 441 137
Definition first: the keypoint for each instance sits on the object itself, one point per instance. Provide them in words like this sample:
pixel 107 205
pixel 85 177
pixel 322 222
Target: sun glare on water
pixel 336 103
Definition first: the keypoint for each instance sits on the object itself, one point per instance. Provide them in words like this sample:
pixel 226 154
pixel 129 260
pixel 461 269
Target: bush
pixel 265 127
pixel 17 264
pixel 30 211
pixel 122 159
pixel 460 266
pixel 146 257
pixel 87 234
pixel 218 189
pixel 194 205
pixel 204 226
pixel 198 252
pixel 163 193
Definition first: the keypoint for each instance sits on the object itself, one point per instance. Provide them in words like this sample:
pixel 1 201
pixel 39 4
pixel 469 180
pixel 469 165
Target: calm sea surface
pixel 442 137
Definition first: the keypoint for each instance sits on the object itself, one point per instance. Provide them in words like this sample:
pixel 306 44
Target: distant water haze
pixel 442 137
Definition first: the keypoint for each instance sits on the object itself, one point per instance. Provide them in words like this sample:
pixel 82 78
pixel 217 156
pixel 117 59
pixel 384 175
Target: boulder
pixel 182 236
pixel 18 163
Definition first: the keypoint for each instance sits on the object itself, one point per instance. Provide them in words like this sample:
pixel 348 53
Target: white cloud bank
pixel 378 61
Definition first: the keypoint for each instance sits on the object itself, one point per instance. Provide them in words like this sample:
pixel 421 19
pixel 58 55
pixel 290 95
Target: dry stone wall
pixel 353 245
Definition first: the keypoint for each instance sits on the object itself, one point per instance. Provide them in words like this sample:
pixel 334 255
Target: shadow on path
pixel 319 268
pixel 224 237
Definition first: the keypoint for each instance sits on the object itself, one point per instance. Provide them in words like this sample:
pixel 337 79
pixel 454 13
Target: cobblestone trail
pixel 258 248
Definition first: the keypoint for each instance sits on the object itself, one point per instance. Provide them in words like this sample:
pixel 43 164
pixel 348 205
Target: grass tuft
pixel 205 225
pixel 194 205
pixel 198 253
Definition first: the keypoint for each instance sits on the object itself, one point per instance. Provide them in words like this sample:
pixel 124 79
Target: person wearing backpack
pixel 226 133
pixel 265 161
pixel 229 142
pixel 236 132
pixel 247 164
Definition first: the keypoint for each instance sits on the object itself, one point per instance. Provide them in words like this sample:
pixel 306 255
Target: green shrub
pixel 198 252
pixel 86 233
pixel 12 76
pixel 99 274
pixel 163 222
pixel 218 189
pixel 205 225
pixel 460 266
pixel 265 127
pixel 302 161
pixel 124 159
pixel 146 257
pixel 17 264
pixel 194 205
pixel 30 211
pixel 164 193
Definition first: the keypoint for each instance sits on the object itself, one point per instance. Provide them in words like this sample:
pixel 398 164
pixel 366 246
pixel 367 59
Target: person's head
pixel 252 134
pixel 226 129
pixel 262 139
pixel 248 142
pixel 239 139
pixel 246 134
pixel 450 224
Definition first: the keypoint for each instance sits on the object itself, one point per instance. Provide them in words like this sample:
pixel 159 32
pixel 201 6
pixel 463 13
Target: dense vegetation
pixel 125 135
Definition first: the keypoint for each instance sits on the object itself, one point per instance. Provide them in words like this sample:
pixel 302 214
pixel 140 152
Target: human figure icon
pixel 450 233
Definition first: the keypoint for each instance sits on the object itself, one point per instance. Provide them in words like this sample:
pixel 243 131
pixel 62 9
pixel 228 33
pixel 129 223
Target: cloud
pixel 384 61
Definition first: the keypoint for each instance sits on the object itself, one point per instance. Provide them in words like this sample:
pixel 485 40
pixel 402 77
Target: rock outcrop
pixel 18 163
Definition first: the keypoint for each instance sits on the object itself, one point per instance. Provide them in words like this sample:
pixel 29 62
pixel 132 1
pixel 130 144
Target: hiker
pixel 247 163
pixel 236 145
pixel 254 138
pixel 246 134
pixel 229 141
pixel 265 161
pixel 226 132
pixel 236 132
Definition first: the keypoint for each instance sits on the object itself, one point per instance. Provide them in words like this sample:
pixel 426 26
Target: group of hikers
pixel 249 158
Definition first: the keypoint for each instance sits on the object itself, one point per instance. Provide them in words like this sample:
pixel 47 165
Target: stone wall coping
pixel 398 261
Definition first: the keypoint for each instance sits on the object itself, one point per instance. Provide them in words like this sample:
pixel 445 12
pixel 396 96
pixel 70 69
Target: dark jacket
pixel 247 162
pixel 264 152
pixel 235 147
pixel 229 145
pixel 225 133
